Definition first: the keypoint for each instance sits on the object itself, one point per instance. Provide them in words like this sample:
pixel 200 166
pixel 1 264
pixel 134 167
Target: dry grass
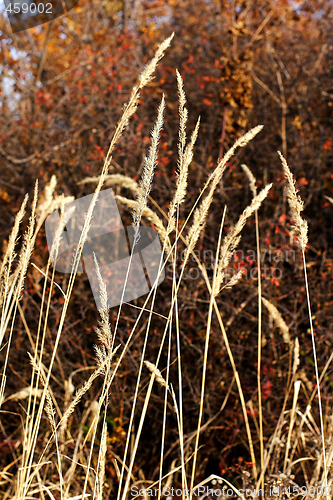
pixel 41 467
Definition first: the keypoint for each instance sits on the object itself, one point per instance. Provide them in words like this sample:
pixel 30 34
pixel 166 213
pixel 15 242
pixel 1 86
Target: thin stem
pixel 209 322
pixel 316 367
pixel 261 433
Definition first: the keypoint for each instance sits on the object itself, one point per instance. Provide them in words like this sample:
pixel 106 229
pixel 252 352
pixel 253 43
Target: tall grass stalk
pixel 253 188
pixel 129 110
pixel 300 227
pixel 204 369
pixel 150 163
pixel 185 158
